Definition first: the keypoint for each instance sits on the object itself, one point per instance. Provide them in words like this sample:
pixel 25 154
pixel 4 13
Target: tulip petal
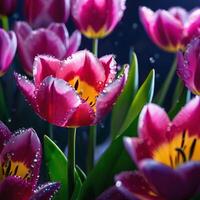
pixel 168 30
pixel 84 65
pixel 62 101
pixel 135 186
pixel 8 46
pixel 15 188
pixel 109 95
pixel 179 13
pixel 61 32
pixel 83 116
pixel 169 184
pixel 27 88
pixel 5 135
pixel 74 43
pixel 188 118
pixel 112 194
pixel 46 191
pixel 44 66
pixel 24 157
pixel 153 124
pixel 137 149
pixel 190 171
pixel 110 67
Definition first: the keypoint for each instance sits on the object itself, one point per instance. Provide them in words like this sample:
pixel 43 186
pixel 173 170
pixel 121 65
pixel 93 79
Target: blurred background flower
pixel 7 7
pixel 40 13
pixel 8 46
pixel 53 40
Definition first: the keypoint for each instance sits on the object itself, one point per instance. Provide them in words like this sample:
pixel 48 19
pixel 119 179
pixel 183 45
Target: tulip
pixel 189 66
pixel 166 153
pixel 171 29
pixel 20 160
pixel 8 46
pixel 7 7
pixel 53 40
pixel 78 91
pixel 40 13
pixel 97 19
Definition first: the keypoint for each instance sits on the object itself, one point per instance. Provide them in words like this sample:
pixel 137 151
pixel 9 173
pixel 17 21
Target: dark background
pixel 129 34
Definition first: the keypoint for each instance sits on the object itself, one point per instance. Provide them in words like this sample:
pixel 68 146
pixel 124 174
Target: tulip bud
pixel 97 19
pixel 8 45
pixel 7 7
pixel 189 66
pixel 171 29
pixel 41 13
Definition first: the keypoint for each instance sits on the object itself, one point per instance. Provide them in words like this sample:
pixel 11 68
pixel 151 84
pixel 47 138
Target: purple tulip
pixel 7 7
pixel 96 19
pixel 8 46
pixel 41 13
pixel 53 40
pixel 171 29
pixel 189 66
pixel 20 160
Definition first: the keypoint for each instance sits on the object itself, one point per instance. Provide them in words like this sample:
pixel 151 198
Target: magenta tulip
pixel 8 46
pixel 189 66
pixel 75 92
pixel 54 41
pixel 40 13
pixel 20 160
pixel 171 29
pixel 96 19
pixel 7 7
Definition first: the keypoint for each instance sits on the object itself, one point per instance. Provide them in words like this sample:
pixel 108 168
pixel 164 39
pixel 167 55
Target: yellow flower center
pixel 10 168
pixel 86 92
pixel 179 150
pixel 91 33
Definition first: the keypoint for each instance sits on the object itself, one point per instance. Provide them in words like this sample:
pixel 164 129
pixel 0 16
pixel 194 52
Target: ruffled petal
pixel 153 124
pixel 74 43
pixel 45 66
pixel 5 135
pixel 62 101
pixel 15 188
pixel 135 186
pixel 137 149
pixel 112 194
pixel 110 67
pixel 46 191
pixel 22 156
pixel 188 118
pixel 83 116
pixel 109 95
pixel 27 88
pixel 84 65
pixel 167 182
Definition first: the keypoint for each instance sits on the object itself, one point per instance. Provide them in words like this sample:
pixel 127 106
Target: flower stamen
pixel 192 148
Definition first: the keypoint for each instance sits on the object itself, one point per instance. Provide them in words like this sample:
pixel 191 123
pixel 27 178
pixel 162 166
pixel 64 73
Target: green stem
pixel 165 87
pixel 95 47
pixel 71 160
pixel 92 129
pixel 51 131
pixel 91 147
pixel 5 22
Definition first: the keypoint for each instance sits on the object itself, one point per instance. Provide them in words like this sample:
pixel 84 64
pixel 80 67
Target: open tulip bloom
pixel 189 66
pixel 20 159
pixel 53 40
pixel 167 155
pixel 171 29
pixel 8 46
pixel 96 19
pixel 78 91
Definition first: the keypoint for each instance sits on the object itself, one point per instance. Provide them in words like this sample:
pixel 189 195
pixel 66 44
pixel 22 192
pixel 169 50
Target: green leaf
pixel 57 164
pixel 143 96
pixel 124 101
pixel 113 161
